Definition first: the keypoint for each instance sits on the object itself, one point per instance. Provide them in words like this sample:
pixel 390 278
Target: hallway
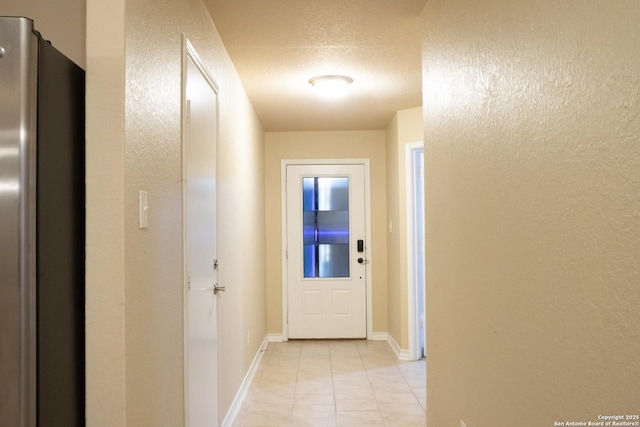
pixel 335 383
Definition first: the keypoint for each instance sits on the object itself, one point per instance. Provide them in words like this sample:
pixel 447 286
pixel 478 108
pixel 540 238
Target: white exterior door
pixel 326 251
pixel 200 133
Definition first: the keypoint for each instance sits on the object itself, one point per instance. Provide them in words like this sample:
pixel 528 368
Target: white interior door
pixel 200 133
pixel 326 251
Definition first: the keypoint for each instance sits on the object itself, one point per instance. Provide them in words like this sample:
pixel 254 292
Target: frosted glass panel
pixel 325 204
pixel 333 260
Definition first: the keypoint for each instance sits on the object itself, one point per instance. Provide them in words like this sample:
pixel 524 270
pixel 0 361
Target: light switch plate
pixel 144 208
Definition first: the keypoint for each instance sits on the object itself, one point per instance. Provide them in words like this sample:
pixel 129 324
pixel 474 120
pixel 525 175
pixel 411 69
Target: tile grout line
pixel 333 387
pixel 375 398
pixel 295 387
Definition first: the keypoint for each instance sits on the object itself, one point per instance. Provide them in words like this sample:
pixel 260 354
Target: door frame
pixel 189 53
pixel 283 217
pixel 412 304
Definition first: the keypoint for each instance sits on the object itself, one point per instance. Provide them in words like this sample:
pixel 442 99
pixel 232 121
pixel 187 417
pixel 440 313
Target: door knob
pixel 362 261
pixel 217 288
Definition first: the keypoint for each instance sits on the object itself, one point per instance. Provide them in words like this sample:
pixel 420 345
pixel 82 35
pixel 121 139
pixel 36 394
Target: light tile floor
pixel 335 383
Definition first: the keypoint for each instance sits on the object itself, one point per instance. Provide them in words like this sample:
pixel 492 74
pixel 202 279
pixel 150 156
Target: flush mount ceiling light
pixel 331 86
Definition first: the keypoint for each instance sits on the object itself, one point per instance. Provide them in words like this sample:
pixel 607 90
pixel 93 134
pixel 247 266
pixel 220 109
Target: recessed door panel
pixel 311 303
pixel 341 302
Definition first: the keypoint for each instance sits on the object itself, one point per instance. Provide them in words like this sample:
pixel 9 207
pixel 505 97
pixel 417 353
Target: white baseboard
pixel 274 337
pixel 380 336
pixel 401 354
pixel 241 395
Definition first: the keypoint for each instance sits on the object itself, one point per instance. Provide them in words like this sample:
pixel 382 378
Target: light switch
pixel 144 208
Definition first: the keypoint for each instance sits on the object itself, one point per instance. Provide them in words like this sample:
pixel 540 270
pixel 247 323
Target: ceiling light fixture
pixel 331 86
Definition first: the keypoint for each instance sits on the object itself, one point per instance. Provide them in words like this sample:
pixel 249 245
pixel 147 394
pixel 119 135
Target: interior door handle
pixel 363 261
pixel 215 288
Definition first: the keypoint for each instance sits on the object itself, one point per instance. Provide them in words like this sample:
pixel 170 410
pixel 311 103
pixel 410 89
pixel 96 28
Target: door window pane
pixel 325 204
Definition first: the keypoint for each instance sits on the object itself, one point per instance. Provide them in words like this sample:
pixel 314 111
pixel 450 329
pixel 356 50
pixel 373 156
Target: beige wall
pixel 406 127
pixel 105 118
pixel 325 145
pixel 63 23
pixel 135 279
pixel 532 144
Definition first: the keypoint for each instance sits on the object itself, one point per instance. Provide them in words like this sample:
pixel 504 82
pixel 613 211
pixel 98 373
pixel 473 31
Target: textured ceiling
pixel 278 45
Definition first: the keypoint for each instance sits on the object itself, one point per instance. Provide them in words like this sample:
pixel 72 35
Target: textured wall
pixel 396 251
pixel 105 122
pixel 325 145
pixel 406 127
pixel 135 280
pixel 532 145
pixel 154 289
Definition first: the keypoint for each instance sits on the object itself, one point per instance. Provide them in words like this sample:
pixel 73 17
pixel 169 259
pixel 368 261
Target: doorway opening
pixel 414 167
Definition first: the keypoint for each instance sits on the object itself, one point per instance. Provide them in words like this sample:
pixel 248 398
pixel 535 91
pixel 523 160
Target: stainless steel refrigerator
pixel 42 220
